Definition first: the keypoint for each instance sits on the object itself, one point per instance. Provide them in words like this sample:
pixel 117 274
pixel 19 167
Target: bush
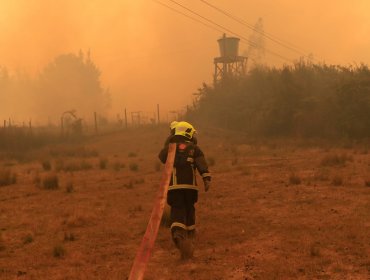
pixel 132 154
pixel 134 166
pixel 46 165
pixel 103 162
pixel 294 179
pixel 69 236
pixel 335 160
pixel 7 177
pixel 337 181
pixel 59 251
pixel 28 239
pixel 50 182
pixel 69 187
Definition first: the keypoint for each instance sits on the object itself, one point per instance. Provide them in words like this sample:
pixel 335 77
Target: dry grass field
pixel 276 210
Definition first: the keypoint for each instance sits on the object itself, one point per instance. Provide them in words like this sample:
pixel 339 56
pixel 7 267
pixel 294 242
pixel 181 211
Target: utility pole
pixel 158 113
pixel 125 117
pixel 96 123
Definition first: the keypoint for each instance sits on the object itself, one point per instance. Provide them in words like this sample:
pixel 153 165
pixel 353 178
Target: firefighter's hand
pixel 207 183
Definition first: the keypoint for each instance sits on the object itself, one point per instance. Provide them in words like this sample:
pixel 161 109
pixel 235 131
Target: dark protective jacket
pixel 189 158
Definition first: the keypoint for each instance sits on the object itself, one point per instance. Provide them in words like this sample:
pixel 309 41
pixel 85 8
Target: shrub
pixel 335 160
pixel 69 187
pixel 294 179
pixel 69 236
pixel 7 177
pixel 103 162
pixel 50 182
pixel 59 251
pixel 134 166
pixel 337 181
pixel 28 239
pixel 46 165
pixel 132 154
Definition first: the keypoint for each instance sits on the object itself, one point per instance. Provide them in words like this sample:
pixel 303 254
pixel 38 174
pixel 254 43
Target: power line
pixel 230 31
pixel 275 39
pixel 190 17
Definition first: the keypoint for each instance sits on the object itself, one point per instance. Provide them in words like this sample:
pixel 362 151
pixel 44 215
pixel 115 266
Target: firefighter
pixel 172 133
pixel 183 189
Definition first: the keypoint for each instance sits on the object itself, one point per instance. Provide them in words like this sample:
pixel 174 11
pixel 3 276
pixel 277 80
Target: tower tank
pixel 229 46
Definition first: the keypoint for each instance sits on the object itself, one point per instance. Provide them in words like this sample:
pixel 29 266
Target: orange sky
pixel 149 54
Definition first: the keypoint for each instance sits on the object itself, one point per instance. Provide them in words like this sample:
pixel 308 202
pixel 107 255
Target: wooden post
pixel 158 113
pixel 125 118
pixel 96 123
pixel 61 126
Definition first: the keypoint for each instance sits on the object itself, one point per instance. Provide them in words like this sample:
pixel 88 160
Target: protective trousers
pixel 182 213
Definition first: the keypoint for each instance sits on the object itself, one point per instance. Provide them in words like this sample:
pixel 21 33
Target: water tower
pixel 229 64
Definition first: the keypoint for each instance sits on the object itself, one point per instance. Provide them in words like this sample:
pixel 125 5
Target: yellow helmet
pixel 184 129
pixel 173 124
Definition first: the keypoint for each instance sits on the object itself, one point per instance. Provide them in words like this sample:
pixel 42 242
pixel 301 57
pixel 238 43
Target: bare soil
pixel 276 210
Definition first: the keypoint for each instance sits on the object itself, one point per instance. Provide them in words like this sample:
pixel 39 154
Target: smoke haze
pixel 148 54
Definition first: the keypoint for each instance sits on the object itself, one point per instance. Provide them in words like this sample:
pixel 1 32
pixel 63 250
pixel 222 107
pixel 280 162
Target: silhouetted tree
pixel 71 82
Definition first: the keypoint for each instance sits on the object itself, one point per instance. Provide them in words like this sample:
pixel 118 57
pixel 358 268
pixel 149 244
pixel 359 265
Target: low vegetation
pixel 59 251
pixel 7 177
pixel 305 99
pixel 50 181
pixel 133 166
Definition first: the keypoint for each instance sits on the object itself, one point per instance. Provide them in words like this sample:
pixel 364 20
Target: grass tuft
pixel 132 154
pixel 337 181
pixel 133 166
pixel 335 160
pixel 50 182
pixel 103 163
pixel 7 177
pixel 28 239
pixel 69 187
pixel 294 179
pixel 46 165
pixel 59 251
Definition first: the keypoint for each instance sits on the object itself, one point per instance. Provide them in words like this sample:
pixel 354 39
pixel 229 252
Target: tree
pixel 71 82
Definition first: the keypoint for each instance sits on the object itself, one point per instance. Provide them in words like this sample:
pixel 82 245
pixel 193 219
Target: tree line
pixel 69 82
pixel 303 100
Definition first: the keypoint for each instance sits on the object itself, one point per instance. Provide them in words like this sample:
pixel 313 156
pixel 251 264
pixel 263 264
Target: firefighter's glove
pixel 207 183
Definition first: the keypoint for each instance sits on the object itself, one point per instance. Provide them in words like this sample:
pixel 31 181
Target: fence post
pixel 125 117
pixel 96 123
pixel 61 126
